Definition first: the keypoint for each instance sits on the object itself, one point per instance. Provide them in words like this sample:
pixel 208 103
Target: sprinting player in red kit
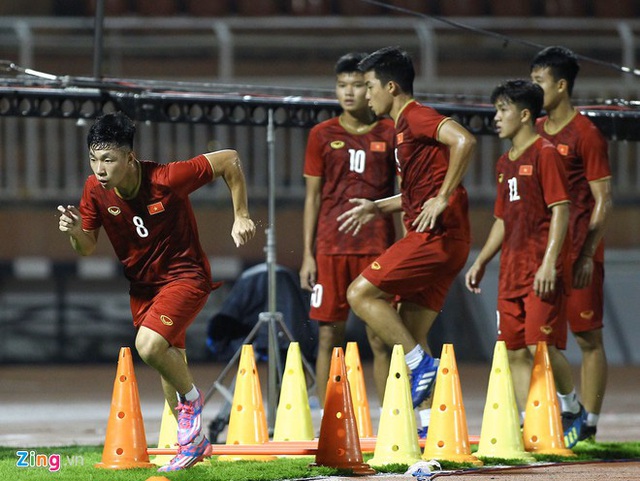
pixel 584 152
pixel 347 156
pixel 432 155
pixel 145 210
pixel 531 233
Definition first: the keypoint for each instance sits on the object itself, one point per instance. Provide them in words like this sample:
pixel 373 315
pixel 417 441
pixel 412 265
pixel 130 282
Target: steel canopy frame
pixel 157 102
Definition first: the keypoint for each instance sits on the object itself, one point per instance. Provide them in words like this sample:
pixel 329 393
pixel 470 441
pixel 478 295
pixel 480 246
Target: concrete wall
pixel 33 231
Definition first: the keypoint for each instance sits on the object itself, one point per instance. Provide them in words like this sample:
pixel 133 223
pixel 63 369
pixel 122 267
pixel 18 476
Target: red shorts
pixel 585 306
pixel 419 268
pixel 524 321
pixel 335 273
pixel 171 309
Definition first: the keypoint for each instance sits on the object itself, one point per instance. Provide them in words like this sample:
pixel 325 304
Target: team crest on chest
pixel 378 146
pixel 563 149
pixel 113 210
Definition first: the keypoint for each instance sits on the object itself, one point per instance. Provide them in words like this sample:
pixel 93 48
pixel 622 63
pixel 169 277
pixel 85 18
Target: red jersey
pixel 351 166
pixel 422 162
pixel 154 235
pixel 584 152
pixel 527 186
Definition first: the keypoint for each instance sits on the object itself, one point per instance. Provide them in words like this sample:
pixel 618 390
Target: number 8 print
pixel 141 229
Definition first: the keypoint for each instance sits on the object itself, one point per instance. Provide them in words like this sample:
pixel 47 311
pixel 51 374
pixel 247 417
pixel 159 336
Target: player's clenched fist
pixel 242 231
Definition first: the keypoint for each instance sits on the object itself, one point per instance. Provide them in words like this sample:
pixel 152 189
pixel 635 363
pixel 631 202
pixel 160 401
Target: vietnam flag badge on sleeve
pixel 155 208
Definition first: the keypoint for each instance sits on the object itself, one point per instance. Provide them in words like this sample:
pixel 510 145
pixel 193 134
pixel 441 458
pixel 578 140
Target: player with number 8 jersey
pixel 154 232
pixel 145 210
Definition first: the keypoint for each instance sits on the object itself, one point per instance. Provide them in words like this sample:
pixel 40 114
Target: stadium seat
pixel 618 9
pixel 160 8
pixel 111 7
pixel 565 8
pixel 198 8
pixel 418 6
pixel 355 9
pixel 256 8
pixel 310 7
pixel 463 8
pixel 512 8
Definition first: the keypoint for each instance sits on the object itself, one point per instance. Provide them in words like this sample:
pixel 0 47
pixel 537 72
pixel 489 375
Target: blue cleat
pixel 423 378
pixel 573 424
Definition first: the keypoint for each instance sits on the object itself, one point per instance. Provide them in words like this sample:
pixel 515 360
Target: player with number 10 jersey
pixel 351 166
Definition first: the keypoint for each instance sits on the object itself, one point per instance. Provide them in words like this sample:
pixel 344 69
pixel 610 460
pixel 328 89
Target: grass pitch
pixel 76 463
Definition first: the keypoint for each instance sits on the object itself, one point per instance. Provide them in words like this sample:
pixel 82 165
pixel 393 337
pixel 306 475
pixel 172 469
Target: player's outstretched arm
pixel 365 210
pixel 70 221
pixel 491 247
pixel 226 164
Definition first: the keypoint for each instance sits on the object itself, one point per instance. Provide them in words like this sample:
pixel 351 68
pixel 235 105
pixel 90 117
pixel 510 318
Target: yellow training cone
pixel 168 437
pixel 397 441
pixel 358 390
pixel 448 437
pixel 293 417
pixel 501 436
pixel 247 421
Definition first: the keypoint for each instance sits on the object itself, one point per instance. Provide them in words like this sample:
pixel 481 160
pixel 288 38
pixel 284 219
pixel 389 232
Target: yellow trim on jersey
pixel 402 109
pixel 559 129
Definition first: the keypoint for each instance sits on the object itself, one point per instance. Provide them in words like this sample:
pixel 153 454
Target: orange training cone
pixel 339 444
pixel 125 444
pixel 501 436
pixel 542 423
pixel 355 376
pixel 247 422
pixel 397 441
pixel 293 417
pixel 448 437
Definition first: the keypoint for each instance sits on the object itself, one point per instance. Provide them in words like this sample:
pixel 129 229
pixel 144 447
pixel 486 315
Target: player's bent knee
pixel 150 346
pixel 589 340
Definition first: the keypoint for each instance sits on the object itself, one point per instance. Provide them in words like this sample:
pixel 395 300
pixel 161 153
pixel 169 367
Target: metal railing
pixel 45 159
pixel 224 48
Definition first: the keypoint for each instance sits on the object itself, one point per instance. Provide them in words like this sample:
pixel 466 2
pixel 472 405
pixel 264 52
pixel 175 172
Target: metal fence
pixel 45 159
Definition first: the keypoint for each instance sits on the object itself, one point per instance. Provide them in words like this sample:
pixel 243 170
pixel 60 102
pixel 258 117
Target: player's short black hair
pixel 391 64
pixel 113 130
pixel 561 62
pixel 523 93
pixel 348 63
